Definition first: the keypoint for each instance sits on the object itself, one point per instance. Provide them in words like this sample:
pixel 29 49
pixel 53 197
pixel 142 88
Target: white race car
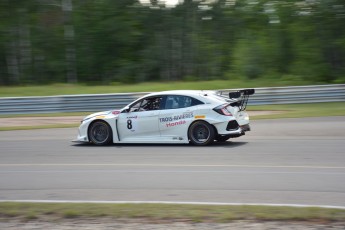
pixel 179 116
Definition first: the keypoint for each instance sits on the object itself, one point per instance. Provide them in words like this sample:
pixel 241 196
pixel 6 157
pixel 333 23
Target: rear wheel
pixel 100 133
pixel 201 133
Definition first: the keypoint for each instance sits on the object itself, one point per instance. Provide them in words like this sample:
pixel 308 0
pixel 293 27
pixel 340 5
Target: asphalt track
pixel 286 161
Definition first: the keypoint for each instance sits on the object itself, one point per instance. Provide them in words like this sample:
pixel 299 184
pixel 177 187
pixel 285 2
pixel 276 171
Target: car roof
pixel 204 95
pixel 183 92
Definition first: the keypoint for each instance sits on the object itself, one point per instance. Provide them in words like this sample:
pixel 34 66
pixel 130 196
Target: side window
pixel 171 102
pixel 147 104
pixel 196 102
pixel 177 102
pixel 135 107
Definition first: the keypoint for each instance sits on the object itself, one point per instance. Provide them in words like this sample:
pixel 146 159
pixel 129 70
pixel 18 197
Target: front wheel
pixel 201 133
pixel 100 133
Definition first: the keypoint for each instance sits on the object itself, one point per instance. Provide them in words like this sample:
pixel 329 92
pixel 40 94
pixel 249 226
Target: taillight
pixel 222 109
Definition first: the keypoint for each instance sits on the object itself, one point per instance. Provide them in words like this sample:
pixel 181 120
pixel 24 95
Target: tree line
pixel 103 41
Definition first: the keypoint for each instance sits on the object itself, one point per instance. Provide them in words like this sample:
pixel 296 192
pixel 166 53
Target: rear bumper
pixel 234 126
pixel 240 131
pixel 233 129
pixel 245 128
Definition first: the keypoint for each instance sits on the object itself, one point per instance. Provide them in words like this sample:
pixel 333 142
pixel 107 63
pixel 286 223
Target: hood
pixel 105 113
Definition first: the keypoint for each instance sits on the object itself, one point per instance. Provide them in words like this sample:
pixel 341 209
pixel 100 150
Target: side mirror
pixel 126 109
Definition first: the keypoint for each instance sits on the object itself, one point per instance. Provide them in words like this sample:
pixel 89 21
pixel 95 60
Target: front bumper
pixel 80 139
pixel 82 134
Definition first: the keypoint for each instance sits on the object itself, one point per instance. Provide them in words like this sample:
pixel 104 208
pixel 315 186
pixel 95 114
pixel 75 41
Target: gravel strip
pixel 110 224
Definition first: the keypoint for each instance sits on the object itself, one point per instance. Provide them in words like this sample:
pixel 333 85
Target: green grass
pixel 301 110
pixel 156 212
pixel 71 89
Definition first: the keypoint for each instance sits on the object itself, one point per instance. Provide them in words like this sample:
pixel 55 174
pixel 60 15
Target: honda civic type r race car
pixel 179 116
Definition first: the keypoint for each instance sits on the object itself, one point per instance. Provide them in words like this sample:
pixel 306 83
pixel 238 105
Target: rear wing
pixel 240 98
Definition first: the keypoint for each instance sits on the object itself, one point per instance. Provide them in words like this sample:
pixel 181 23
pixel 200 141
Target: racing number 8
pixel 129 124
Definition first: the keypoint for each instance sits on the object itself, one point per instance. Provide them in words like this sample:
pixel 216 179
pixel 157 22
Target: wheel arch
pixel 202 120
pixel 96 120
pixel 214 127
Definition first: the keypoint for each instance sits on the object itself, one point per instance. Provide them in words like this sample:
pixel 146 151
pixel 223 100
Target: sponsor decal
pixel 100 117
pixel 115 112
pixel 172 124
pixel 176 117
pixel 200 117
pixel 132 117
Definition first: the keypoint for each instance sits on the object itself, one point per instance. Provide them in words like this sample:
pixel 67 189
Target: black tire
pixel 220 138
pixel 100 133
pixel 201 133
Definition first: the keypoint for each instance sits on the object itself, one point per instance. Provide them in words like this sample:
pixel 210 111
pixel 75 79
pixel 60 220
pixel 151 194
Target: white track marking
pixel 179 165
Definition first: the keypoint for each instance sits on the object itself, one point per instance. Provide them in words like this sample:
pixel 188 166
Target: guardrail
pixel 101 102
pixel 65 103
pixel 295 94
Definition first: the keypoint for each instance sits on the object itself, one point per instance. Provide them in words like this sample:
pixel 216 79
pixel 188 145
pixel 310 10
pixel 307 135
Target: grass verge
pixel 301 110
pixel 166 212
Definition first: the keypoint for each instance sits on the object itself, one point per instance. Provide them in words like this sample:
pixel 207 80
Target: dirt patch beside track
pixel 38 121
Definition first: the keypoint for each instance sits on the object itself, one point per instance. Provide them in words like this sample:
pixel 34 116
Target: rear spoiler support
pixel 242 97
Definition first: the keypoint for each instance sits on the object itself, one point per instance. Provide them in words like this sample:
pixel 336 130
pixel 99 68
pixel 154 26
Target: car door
pixel 176 116
pixel 140 122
